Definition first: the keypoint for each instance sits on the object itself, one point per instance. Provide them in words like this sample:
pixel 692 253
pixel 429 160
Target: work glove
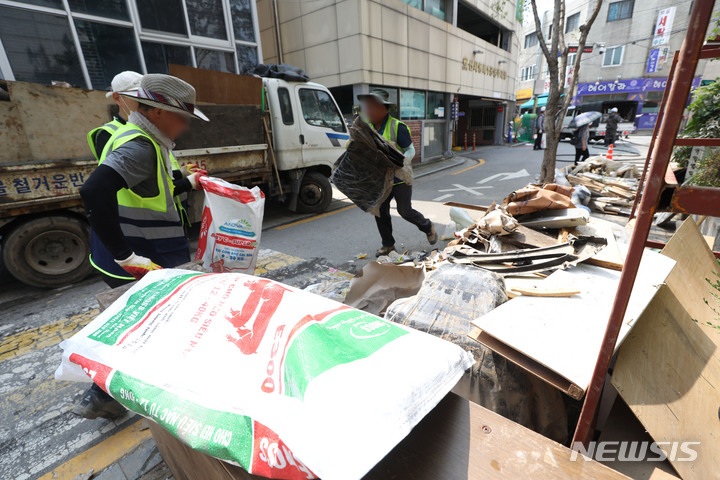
pixel 195 179
pixel 189 169
pixel 138 266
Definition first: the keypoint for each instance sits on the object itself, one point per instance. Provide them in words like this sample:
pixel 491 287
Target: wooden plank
pixel 552 292
pixel 42 108
pixel 457 440
pixel 610 256
pixel 668 370
pixel 220 87
pixel 565 334
pixel 15 146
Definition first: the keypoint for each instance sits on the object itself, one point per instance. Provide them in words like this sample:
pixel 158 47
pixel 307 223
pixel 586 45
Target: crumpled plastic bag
pixel 533 198
pixel 365 171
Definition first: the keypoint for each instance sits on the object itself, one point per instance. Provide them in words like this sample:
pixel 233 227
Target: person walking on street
pixel 135 221
pixel 580 138
pixel 122 82
pixel 611 127
pixel 539 129
pixel 376 108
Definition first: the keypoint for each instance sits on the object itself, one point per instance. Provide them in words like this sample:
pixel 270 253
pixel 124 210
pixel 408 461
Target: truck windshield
pixel 319 110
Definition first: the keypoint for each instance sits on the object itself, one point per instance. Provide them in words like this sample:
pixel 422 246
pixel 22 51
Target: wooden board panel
pixel 219 87
pixel 608 257
pixel 668 370
pixel 458 440
pixel 229 125
pixel 42 108
pixel 565 334
pixel 15 147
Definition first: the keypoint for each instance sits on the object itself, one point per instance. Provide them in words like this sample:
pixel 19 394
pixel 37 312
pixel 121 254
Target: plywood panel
pixel 608 257
pixel 44 111
pixel 668 370
pixel 15 147
pixel 229 125
pixel 219 87
pixel 565 334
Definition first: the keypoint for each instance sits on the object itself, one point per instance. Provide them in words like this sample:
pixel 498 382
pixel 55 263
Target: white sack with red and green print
pixel 284 383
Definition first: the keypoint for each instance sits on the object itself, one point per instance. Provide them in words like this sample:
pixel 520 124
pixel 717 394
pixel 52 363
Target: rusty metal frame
pixel 677 95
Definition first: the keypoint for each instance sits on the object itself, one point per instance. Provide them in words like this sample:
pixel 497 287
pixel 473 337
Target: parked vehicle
pixel 45 159
pixel 627 109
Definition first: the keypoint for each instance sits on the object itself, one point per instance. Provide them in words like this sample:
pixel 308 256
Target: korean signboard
pixel 663 27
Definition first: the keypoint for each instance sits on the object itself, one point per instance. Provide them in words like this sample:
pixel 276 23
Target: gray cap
pixel 614 110
pixel 380 95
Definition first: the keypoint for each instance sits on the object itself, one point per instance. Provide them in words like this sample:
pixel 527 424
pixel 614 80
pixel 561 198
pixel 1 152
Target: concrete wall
pixel 343 42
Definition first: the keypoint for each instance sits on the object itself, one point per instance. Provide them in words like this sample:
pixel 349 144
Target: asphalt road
pixel 40 438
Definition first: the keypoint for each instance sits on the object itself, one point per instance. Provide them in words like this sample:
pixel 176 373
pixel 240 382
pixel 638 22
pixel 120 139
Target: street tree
pixel 556 56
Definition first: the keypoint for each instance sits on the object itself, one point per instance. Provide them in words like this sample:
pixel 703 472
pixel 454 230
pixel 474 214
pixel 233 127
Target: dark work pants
pixel 538 141
pixel 402 193
pixel 610 138
pixel 581 153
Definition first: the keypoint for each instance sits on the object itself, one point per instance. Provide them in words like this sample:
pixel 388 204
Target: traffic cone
pixel 609 154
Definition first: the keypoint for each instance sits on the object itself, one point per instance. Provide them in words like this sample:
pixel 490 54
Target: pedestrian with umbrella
pixel 582 134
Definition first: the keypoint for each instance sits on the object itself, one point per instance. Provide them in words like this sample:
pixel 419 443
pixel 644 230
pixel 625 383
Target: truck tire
pixel 49 251
pixel 315 193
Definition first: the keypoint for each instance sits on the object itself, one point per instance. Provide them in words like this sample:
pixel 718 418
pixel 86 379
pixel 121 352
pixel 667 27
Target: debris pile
pixel 613 185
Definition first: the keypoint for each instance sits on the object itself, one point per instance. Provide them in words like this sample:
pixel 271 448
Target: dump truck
pixel 279 135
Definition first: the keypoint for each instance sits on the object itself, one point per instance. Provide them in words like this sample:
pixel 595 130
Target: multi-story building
pixel 87 42
pixel 633 46
pixel 425 53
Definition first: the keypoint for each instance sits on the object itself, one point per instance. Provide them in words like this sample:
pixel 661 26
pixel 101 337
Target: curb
pixel 459 161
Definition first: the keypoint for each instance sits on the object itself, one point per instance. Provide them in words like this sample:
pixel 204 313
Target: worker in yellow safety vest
pixel 135 222
pixel 376 108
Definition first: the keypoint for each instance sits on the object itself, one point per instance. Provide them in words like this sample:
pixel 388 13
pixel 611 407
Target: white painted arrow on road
pixel 505 176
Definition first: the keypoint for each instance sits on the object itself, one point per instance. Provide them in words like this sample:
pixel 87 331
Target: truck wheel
pixel 48 252
pixel 315 193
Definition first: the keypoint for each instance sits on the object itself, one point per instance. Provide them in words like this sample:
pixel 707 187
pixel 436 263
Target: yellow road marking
pixel 274 261
pixel 103 454
pixel 305 220
pixel 45 336
pixel 480 162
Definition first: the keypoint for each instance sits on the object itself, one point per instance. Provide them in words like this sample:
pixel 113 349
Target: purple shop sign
pixel 630 85
pixel 652 63
pixel 646 121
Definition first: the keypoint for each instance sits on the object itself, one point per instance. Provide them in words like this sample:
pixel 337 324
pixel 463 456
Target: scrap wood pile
pixel 612 185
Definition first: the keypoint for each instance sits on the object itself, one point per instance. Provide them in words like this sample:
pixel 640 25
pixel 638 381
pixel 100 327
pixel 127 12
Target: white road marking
pixel 442 197
pixel 461 188
pixel 507 176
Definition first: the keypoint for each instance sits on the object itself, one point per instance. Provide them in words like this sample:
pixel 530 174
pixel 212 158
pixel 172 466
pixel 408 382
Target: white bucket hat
pixel 124 81
pixel 168 93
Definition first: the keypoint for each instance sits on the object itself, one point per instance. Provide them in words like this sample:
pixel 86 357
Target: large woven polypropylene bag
pixel 282 382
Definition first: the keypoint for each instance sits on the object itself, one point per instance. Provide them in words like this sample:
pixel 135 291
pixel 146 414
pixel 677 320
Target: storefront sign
pixel 478 67
pixel 652 63
pixel 663 27
pixel 630 85
pixel 524 94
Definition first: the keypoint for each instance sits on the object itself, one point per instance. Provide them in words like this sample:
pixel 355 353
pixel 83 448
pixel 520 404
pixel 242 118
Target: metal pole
pixel 677 97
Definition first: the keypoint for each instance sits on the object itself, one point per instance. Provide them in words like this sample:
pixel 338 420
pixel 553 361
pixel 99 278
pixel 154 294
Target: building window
pixel 285 106
pixel 319 110
pixel 207 18
pixel 528 73
pixel 482 117
pixel 159 55
pixel 412 104
pixel 108 50
pixel 572 23
pixel 162 15
pixel 436 105
pixel 247 57
pixel 46 3
pixel 242 20
pixel 620 10
pixel 435 8
pixel 215 60
pixel 613 56
pixel 102 8
pixel 531 40
pixel 39 47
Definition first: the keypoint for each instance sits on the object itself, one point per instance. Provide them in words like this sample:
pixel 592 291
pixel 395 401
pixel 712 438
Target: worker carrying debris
pixel 376 108
pixel 135 221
